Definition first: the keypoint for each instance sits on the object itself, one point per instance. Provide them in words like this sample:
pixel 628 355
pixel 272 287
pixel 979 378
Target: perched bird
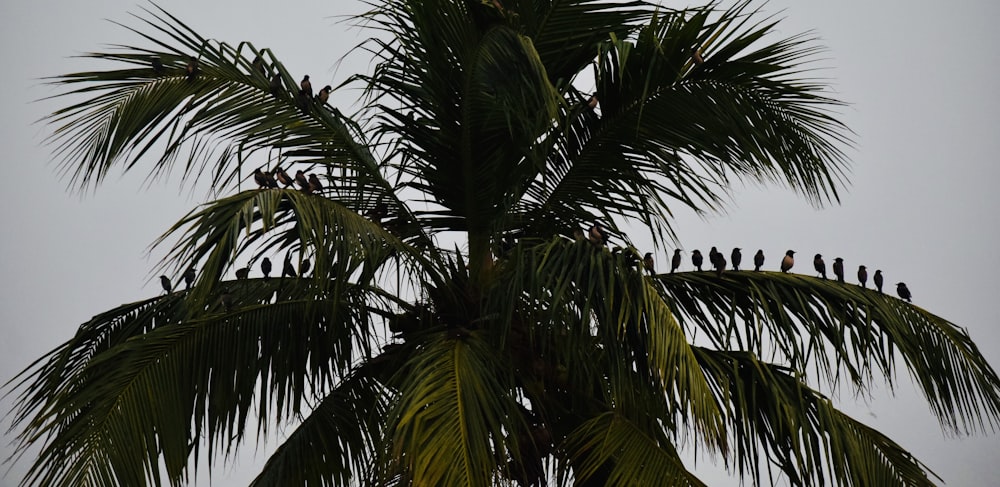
pixel 758 259
pixel 265 267
pixel 863 276
pixel 697 259
pixel 720 265
pixel 300 179
pixel 578 234
pixel 647 262
pixel 306 87
pixel 275 85
pixel 288 270
pixel 819 265
pixel 324 94
pixel 788 261
pixel 838 269
pixel 304 267
pixel 314 184
pixel 165 282
pixel 736 257
pixel 713 256
pixel 696 56
pixel 157 65
pixel 243 273
pixel 904 292
pixel 878 279
pixel 592 101
pixel 263 179
pixel 189 278
pixel 282 176
pixel 598 236
pixel 675 262
pixel 192 68
pixel 258 66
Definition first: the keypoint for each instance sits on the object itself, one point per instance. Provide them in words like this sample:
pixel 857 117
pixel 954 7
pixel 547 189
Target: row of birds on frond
pixel 308 184
pixel 288 270
pixel 305 94
pixel 598 236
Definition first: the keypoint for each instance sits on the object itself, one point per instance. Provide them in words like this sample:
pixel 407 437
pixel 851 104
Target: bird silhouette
pixel 314 184
pixel 863 276
pixel 304 267
pixel 282 176
pixel 258 67
pixel 275 85
pixel 838 269
pixel 697 259
pixel 243 273
pixel 288 270
pixel 758 260
pixel 165 282
pixel 191 70
pixel 598 236
pixel 157 65
pixel 189 278
pixel 904 292
pixel 300 179
pixel 713 256
pixel 819 265
pixel 675 262
pixel 720 265
pixel 306 87
pixel 788 261
pixel 263 179
pixel 877 278
pixel 265 268
pixel 736 257
pixel 647 263
pixel 324 94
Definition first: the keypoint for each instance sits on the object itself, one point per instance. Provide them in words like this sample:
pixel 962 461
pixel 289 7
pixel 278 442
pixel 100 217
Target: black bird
pixel 165 282
pixel 788 261
pixel 304 267
pixel 324 94
pixel 758 259
pixel 258 66
pixel 189 278
pixel 598 236
pixel 283 176
pixel 157 65
pixel 263 179
pixel 878 280
pixel 819 265
pixel 192 68
pixel 697 259
pixel 675 263
pixel 265 267
pixel 243 273
pixel 647 262
pixel 736 258
pixel 288 270
pixel 713 255
pixel 300 179
pixel 275 86
pixel 904 292
pixel 863 276
pixel 838 269
pixel 306 87
pixel 720 265
pixel 314 184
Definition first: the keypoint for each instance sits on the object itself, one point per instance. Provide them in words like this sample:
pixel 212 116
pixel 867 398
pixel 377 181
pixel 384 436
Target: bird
pixel 675 262
pixel 189 278
pixel 304 267
pixel 904 292
pixel 258 66
pixel 165 282
pixel 243 273
pixel 288 270
pixel 697 259
pixel 838 269
pixel 647 262
pixel 157 65
pixel 263 179
pixel 713 255
pixel 192 68
pixel 265 267
pixel 283 176
pixel 878 280
pixel 863 276
pixel 720 264
pixel 696 56
pixel 306 87
pixel 736 257
pixel 592 101
pixel 324 94
pixel 275 85
pixel 300 179
pixel 381 210
pixel 788 261
pixel 598 236
pixel 314 184
pixel 758 259
pixel 819 265
pixel 578 234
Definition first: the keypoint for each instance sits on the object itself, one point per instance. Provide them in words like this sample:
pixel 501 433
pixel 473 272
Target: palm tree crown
pixel 536 350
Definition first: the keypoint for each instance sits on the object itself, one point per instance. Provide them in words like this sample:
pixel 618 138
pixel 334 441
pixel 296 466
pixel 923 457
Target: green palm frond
pixel 777 419
pixel 812 323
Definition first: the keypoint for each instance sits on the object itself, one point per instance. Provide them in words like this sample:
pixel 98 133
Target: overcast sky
pixel 920 78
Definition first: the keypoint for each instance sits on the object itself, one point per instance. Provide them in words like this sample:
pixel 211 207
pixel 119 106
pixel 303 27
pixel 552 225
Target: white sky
pixel 922 205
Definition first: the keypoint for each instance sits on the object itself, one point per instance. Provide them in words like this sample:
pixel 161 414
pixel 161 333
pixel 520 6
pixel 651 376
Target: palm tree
pixel 462 324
